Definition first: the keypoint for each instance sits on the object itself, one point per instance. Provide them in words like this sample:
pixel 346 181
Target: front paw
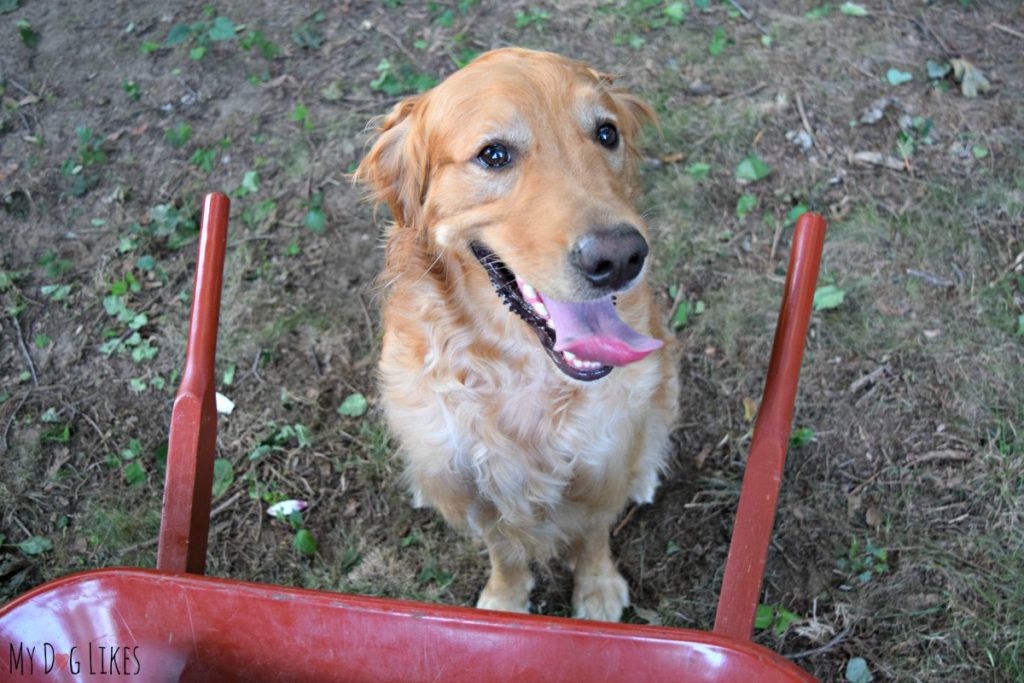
pixel 506 597
pixel 600 597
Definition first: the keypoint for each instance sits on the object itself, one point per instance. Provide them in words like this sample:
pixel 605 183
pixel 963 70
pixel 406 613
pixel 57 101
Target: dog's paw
pixel 601 597
pixel 507 592
pixel 503 603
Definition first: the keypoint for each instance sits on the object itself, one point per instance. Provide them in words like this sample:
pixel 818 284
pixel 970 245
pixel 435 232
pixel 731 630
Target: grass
pixel 299 322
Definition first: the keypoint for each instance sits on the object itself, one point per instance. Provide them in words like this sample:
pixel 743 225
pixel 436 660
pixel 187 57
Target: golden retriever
pixel 521 369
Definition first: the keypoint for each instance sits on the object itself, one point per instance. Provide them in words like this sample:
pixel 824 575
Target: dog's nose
pixel 610 257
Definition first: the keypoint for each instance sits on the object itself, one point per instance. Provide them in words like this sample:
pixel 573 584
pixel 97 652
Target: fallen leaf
pixel 852 9
pixel 225 406
pixel 857 671
pixel 878 159
pixel 286 507
pixel 749 408
pixel 897 77
pixel 827 297
pixel 970 78
pixel 649 615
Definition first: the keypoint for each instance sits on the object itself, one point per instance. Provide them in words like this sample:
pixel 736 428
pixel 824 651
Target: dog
pixel 523 367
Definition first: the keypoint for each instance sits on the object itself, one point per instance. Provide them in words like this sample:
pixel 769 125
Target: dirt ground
pixel 899 541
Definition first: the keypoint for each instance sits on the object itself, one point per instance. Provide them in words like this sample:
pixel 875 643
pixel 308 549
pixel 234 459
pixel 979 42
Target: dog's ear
pixel 396 168
pixel 633 113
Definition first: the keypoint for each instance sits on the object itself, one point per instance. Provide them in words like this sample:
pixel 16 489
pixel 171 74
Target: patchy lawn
pixel 900 535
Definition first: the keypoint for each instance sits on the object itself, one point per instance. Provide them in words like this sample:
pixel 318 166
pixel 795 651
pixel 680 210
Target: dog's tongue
pixel 593 331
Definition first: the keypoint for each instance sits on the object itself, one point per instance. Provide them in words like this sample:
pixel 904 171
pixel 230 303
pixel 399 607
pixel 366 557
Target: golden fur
pixel 493 435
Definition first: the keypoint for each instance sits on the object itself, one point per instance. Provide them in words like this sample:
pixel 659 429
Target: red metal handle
pixel 185 520
pixel 755 515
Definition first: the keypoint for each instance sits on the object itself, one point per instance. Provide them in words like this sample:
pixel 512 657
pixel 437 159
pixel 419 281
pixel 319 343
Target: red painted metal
pixel 180 627
pixel 172 624
pixel 185 520
pixel 755 515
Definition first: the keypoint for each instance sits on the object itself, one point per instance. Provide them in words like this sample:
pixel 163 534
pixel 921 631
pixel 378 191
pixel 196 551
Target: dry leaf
pixel 749 408
pixel 970 78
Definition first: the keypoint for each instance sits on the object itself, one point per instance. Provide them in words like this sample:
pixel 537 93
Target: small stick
pixel 625 520
pixel 748 16
pixel 824 648
pixel 805 122
pixel 930 279
pixel 867 379
pixel 1006 29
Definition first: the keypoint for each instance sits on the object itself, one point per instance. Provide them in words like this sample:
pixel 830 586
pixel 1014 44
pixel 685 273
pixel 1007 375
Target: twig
pixel 625 520
pixel 748 16
pixel 24 350
pixel 1016 263
pixel 156 539
pixel 824 648
pixel 1006 29
pixel 867 379
pixel 806 123
pixel 930 279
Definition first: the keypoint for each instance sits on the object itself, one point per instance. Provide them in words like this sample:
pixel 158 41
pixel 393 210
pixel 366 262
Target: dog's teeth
pixel 569 355
pixel 528 291
pixel 541 309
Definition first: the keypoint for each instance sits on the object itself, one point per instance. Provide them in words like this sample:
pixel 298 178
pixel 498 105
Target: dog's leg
pixel 599 591
pixel 508 588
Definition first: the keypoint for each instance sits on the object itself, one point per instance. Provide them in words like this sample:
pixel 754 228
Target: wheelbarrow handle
pixel 755 514
pixel 185 520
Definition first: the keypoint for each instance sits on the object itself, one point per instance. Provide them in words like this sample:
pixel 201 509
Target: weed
pixel 863 562
pixel 401 79
pixel 534 16
pixel 29 36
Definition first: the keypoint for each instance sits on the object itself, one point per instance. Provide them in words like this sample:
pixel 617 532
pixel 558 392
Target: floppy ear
pixel 396 168
pixel 633 113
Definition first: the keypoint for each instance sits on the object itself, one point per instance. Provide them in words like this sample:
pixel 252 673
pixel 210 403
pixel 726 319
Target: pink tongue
pixel 593 331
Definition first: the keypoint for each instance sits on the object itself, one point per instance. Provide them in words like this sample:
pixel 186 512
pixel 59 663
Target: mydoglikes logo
pixel 93 659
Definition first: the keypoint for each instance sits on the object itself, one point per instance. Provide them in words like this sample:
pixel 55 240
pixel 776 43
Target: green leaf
pixel 315 220
pixel 671 548
pixel 149 46
pixel 1020 325
pixel 783 620
pixel 818 13
pixel 223 476
pixel 979 152
pixel 699 169
pixel 446 19
pixel 801 436
pixel 717 41
pixel 937 70
pixel 897 77
pixel 7 6
pixel 42 341
pixel 29 36
pixel 134 474
pixel 138 385
pixel 764 616
pixel 752 169
pixel 745 204
pixel 681 316
pixel 35 545
pixel 145 262
pixel 857 671
pixel 676 11
pixel 197 53
pixel 354 405
pixel 50 415
pixel 304 542
pixel 852 9
pixel 179 34
pixel 178 135
pixel 250 183
pixel 229 374
pixel 766 41
pixel 795 213
pixel 222 29
pixel 827 297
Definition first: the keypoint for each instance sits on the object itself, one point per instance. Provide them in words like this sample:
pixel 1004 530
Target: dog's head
pixel 525 159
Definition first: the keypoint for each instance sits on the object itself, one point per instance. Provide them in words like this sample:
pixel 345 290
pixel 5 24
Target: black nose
pixel 610 257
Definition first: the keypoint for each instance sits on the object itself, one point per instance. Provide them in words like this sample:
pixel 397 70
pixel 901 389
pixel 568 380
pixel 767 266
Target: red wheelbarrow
pixel 174 624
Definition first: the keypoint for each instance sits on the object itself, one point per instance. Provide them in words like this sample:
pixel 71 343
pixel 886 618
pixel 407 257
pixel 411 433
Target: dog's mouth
pixel 585 339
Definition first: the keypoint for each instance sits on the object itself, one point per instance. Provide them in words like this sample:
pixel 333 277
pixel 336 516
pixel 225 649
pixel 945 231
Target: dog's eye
pixel 607 135
pixel 495 156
